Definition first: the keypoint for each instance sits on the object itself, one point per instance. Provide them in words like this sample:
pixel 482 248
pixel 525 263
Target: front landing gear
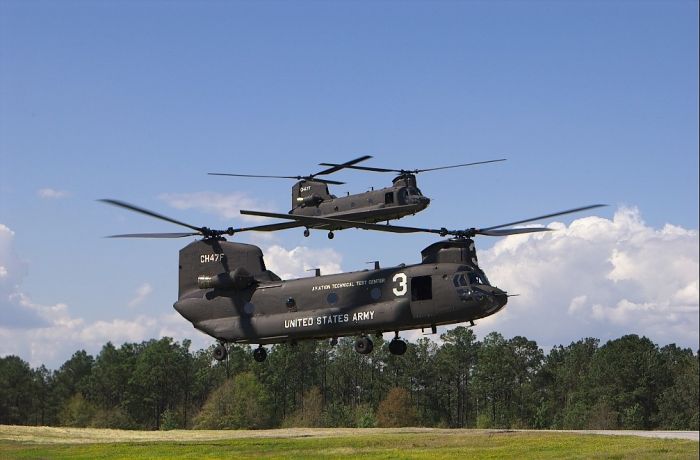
pixel 364 345
pixel 260 354
pixel 220 352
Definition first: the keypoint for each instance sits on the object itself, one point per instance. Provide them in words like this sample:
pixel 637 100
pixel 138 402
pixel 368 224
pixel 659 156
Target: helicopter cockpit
pixel 412 195
pixel 469 278
pixel 467 284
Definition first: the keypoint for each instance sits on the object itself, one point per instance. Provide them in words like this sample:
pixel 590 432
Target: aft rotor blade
pixel 338 224
pixel 413 171
pixel 255 175
pixel 338 167
pixel 546 216
pixel 325 181
pixel 134 208
pixel 364 168
pixel 154 235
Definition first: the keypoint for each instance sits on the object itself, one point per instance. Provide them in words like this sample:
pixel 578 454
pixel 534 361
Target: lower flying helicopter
pixel 226 291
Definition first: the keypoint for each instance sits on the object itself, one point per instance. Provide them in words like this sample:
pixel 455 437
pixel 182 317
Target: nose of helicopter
pixel 421 201
pixel 500 296
pixel 494 300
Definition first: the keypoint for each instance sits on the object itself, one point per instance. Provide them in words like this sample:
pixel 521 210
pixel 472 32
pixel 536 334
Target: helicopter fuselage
pixel 403 198
pixel 265 309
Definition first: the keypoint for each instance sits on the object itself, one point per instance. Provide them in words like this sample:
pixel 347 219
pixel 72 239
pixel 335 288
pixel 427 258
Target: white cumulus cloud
pixel 600 278
pixel 224 205
pixel 51 194
pixel 141 294
pixel 296 263
pixel 50 334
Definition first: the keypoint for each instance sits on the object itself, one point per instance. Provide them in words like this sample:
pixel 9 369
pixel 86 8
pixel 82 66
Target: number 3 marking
pixel 401 289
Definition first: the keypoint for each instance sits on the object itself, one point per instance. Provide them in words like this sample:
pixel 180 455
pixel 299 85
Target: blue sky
pixel 589 101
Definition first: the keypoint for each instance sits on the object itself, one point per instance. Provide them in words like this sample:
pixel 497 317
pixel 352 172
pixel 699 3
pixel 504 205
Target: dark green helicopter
pixel 310 196
pixel 226 291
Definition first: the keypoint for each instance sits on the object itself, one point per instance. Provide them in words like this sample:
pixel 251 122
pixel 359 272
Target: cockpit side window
pixel 460 280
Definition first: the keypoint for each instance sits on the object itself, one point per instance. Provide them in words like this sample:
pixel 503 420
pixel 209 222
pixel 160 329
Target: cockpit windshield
pixel 413 191
pixel 463 279
pixel 476 278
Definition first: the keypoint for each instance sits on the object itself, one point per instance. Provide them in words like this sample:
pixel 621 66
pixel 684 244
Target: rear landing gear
pixel 397 347
pixel 330 235
pixel 220 352
pixel 364 345
pixel 307 232
pixel 260 354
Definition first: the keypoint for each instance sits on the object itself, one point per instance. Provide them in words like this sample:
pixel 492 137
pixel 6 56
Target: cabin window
pixel 332 298
pixel 389 198
pixel 421 288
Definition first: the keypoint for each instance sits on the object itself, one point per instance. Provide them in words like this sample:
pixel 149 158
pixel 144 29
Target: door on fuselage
pixel 422 304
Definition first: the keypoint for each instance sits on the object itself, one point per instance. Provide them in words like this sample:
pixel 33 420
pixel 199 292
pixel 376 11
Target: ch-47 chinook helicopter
pixel 310 196
pixel 226 291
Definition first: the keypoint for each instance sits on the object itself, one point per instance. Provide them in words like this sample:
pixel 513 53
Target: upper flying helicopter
pixel 226 291
pixel 310 196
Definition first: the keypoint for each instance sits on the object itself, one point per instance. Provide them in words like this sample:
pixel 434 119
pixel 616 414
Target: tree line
pixel 626 383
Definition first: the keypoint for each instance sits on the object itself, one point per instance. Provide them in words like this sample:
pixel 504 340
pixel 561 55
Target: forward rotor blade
pixel 511 231
pixel 459 166
pixel 546 216
pixel 154 235
pixel 338 167
pixel 325 181
pixel 131 207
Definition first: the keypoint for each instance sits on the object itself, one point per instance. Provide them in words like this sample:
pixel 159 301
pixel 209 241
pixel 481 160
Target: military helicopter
pixel 310 195
pixel 226 291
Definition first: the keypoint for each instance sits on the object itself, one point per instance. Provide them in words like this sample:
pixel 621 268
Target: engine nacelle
pixel 237 279
pixel 311 200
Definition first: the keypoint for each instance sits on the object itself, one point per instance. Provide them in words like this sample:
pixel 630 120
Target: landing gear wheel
pixel 397 347
pixel 334 341
pixel 220 352
pixel 260 354
pixel 330 235
pixel 307 232
pixel 364 345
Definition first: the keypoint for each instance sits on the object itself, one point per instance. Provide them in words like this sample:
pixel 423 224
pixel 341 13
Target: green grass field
pixel 412 443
